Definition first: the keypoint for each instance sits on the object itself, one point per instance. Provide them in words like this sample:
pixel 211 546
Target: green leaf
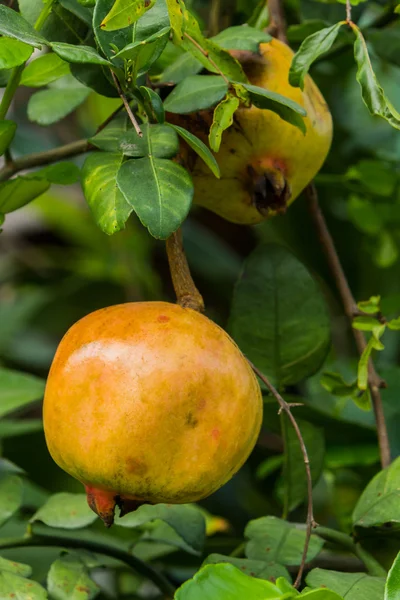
pixel 322 594
pixel 362 371
pixel 278 316
pixel 336 385
pixel 300 31
pixel 375 176
pixel 186 519
pixel 13 53
pixel 372 93
pixel 241 37
pixel 14 567
pixel 371 306
pixel 7 132
pixel 224 581
pixel 12 25
pixel 78 54
pixel 195 93
pixel 95 77
pixel 11 493
pixel 185 65
pixel 49 106
pixel 44 70
pixel 337 457
pixel 287 109
pixel 222 120
pixel 18 192
pixel 365 323
pixel 67 511
pixel 159 141
pixel 293 489
pixel 108 138
pixel 316 44
pixel 199 147
pixel 108 41
pixel 176 11
pixel 63 173
pixel 153 104
pixel 392 587
pixel 159 191
pixel 273 539
pixel 143 53
pixel 12 428
pixel 386 252
pixel 18 390
pixel 380 501
pixel 125 13
pixel 68 579
pixel 14 586
pixel 255 568
pixel 99 176
pixel 394 324
pixel 269 466
pixel 352 586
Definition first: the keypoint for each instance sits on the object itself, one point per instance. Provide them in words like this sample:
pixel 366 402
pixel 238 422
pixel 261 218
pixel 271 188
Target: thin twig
pixel 186 291
pixel 310 522
pixel 126 104
pixel 206 54
pixel 348 11
pixel 39 159
pixel 350 309
pixel 277 21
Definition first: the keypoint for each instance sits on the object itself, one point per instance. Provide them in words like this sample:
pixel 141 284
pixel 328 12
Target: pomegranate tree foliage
pixel 65 63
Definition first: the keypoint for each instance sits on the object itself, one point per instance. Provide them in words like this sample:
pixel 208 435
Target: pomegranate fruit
pixel 149 402
pixel 265 162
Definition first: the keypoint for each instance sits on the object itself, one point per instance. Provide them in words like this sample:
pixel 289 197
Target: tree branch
pixel 350 308
pixel 310 522
pixel 69 541
pixel 126 104
pixel 186 291
pixel 47 157
pixel 206 54
pixel 277 21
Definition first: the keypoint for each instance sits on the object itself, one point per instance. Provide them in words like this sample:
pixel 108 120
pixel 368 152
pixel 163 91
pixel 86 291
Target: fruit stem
pixel 70 540
pixel 186 291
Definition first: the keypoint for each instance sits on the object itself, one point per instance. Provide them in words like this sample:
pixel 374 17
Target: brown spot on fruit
pixel 215 433
pixel 136 466
pixel 191 420
pixel 163 319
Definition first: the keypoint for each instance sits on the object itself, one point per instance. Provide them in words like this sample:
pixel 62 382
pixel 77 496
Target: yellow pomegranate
pixel 149 402
pixel 265 162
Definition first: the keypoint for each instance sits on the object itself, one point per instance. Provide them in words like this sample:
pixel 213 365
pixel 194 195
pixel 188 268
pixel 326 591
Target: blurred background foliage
pixel 56 266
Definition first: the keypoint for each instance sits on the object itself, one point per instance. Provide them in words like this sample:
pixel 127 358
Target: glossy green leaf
pixel 293 489
pixel 392 587
pixel 222 120
pixel 67 511
pixel 351 586
pixel 44 70
pixel 108 138
pixel 109 41
pixel 272 539
pixel 176 11
pixel 14 567
pixel 14 586
pixel 125 13
pixel 316 44
pixel 12 25
pixel 49 106
pixel 226 582
pixel 287 109
pixel 365 323
pixel 11 493
pixel 196 93
pixel 161 141
pixel 68 579
pixel 99 177
pixel 372 93
pixel 278 316
pixel 394 324
pixel 78 54
pixel 241 37
pixel 255 568
pixel 370 306
pixel 13 53
pixel 336 385
pixel 63 173
pixel 200 148
pixel 7 132
pixel 153 21
pixel 159 191
pixel 143 53
pixel 153 104
pixel 18 389
pixel 185 65
pixel 96 77
pixel 322 594
pixel 185 519
pixel 380 501
pixel 18 192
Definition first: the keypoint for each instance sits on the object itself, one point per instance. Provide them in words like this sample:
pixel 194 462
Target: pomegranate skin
pixel 149 402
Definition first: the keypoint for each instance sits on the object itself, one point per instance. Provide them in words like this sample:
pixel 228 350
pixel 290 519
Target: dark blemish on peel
pixel 191 420
pixel 163 319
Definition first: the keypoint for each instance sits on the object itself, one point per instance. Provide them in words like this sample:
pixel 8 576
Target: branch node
pixel 187 294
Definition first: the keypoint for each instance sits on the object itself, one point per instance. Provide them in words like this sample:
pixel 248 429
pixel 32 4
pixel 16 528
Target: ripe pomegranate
pixel 149 402
pixel 265 162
